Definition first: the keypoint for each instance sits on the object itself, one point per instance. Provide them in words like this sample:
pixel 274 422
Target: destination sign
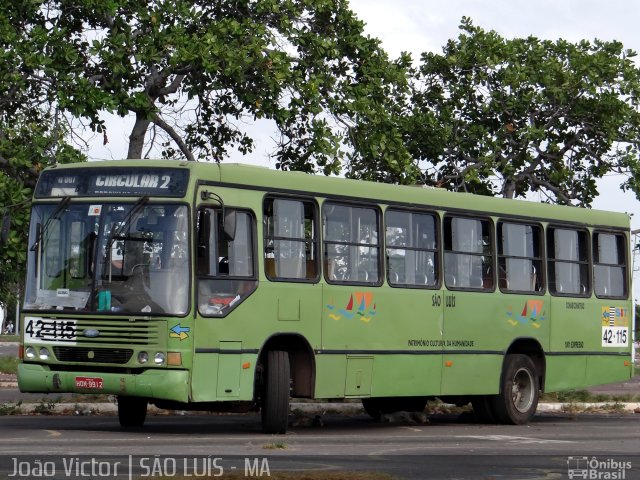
pixel 121 181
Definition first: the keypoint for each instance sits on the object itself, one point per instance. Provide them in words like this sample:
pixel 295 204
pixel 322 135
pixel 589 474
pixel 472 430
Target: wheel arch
pixel 530 347
pixel 301 358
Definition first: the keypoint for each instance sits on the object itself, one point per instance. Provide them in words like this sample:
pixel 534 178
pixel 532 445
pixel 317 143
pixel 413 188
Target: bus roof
pixel 263 178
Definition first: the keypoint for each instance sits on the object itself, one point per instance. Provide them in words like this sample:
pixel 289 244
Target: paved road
pixel 448 447
pixel 8 349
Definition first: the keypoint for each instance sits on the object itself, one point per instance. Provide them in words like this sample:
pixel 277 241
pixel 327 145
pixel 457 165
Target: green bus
pixel 225 287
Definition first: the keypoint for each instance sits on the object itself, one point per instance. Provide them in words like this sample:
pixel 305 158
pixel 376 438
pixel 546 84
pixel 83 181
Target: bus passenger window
pixel 351 244
pixel 468 257
pixel 609 269
pixel 568 264
pixel 519 257
pixel 411 249
pixel 290 243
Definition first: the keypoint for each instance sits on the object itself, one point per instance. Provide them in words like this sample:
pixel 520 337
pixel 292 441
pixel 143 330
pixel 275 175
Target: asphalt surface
pixel 448 447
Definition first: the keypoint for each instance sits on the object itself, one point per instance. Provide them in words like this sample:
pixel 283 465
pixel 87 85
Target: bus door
pixel 226 277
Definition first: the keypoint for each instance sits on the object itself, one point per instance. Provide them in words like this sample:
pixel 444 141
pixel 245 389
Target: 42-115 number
pixel 615 337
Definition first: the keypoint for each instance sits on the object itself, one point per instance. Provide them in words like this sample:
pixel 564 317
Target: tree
pixel 498 116
pixel 32 130
pixel 195 72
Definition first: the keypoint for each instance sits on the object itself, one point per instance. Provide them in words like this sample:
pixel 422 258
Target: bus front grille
pixel 93 355
pixel 92 332
pixel 140 332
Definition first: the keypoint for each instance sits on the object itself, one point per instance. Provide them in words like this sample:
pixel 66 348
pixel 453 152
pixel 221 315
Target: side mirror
pixel 4 232
pixel 229 225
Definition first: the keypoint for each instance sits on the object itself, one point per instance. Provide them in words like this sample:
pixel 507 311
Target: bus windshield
pixel 110 258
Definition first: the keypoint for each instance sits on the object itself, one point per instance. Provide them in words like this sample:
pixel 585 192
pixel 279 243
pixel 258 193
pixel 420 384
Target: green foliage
pixel 44 408
pixel 195 72
pixel 32 129
pixel 509 116
pixel 196 75
pixel 11 408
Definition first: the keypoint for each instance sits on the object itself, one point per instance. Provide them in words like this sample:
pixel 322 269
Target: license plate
pixel 95 383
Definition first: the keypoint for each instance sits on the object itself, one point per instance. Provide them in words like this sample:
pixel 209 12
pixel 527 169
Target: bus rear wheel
pixel 518 398
pixel 132 411
pixel 275 401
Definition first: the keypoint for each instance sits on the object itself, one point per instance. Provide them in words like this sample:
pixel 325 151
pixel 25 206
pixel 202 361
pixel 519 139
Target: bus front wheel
pixel 132 411
pixel 518 398
pixel 275 401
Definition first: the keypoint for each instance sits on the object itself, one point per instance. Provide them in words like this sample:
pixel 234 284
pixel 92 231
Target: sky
pixel 417 26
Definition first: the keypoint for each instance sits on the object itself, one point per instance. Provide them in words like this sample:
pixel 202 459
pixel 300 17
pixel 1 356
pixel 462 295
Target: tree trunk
pixel 509 189
pixel 136 139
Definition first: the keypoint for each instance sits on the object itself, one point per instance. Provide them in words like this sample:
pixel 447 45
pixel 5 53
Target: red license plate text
pixel 89 382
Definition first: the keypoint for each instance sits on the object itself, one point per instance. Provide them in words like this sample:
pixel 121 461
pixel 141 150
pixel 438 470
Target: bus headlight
pixel 159 358
pixel 30 352
pixel 44 354
pixel 143 357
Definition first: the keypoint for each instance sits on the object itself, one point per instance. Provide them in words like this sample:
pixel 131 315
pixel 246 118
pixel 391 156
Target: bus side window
pixel 468 256
pixel 519 257
pixel 205 242
pixel 411 248
pixel 351 244
pixel 609 265
pixel 568 263
pixel 290 243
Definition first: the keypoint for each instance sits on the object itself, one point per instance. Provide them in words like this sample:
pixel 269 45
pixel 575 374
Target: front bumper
pixel 153 383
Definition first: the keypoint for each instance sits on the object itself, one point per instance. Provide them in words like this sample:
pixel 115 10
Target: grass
pixel 44 408
pixel 583 396
pixel 11 408
pixel 8 364
pixel 275 446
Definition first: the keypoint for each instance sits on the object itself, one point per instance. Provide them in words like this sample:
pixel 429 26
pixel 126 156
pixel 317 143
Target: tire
pixel 132 411
pixel 519 391
pixel 483 409
pixel 275 402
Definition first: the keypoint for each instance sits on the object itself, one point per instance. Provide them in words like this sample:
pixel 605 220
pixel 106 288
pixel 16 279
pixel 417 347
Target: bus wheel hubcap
pixel 522 390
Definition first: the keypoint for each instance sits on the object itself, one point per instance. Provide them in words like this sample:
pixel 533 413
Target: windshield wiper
pixel 56 213
pixel 126 221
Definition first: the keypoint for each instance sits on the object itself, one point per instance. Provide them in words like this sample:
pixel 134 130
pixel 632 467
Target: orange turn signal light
pixel 246 365
pixel 174 358
pixel 448 363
